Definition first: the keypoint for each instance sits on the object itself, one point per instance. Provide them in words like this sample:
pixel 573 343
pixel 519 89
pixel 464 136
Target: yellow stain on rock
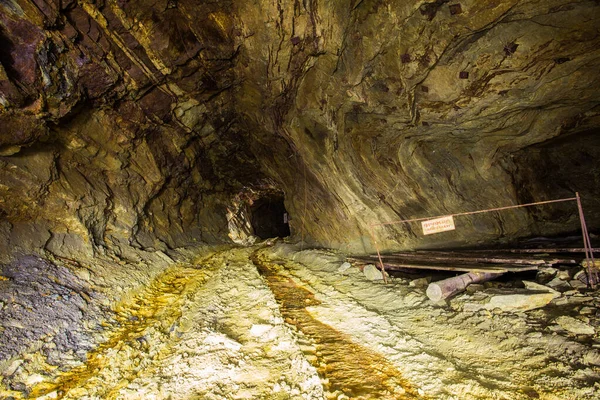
pixel 343 365
pixel 157 306
pixel 222 20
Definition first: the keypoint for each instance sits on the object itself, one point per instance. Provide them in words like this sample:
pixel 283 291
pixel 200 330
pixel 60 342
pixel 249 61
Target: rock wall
pixel 388 110
pixel 134 133
pixel 129 124
pixel 119 129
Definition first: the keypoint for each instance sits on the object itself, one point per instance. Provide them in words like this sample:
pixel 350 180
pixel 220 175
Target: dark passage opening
pixel 269 217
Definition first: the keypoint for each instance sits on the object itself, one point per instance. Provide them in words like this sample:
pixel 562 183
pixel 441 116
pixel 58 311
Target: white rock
pixel 12 367
pixel 519 302
pixel 344 267
pixel 574 325
pixel 49 396
pixel 580 299
pixel 34 379
pixel 372 273
pixel 548 271
pixel 561 301
pixel 564 275
pixel 83 274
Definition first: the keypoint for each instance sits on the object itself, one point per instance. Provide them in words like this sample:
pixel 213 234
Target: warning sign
pixel 438 225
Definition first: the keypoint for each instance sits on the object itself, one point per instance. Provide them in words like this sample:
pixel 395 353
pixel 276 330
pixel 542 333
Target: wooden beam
pixel 440 290
pixel 541 251
pixel 390 265
pixel 478 258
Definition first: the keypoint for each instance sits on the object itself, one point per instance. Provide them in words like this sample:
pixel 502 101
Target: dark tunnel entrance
pixel 269 217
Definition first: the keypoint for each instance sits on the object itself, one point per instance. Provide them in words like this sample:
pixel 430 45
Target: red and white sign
pixel 442 224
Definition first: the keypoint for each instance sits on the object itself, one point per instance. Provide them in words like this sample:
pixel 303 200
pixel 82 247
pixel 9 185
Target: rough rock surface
pixel 137 123
pixel 515 302
pixel 44 301
pixel 209 329
pixel 395 110
pixel 450 352
pixel 134 132
pixel 118 126
pixel 575 326
pixel 223 326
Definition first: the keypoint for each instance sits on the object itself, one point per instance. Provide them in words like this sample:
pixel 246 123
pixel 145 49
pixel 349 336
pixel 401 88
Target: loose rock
pixel 420 282
pixel 577 284
pixel 344 267
pixel 559 284
pixel 474 288
pixel 564 275
pixel 515 302
pixel 542 288
pixel 545 275
pixel 372 273
pixel 574 325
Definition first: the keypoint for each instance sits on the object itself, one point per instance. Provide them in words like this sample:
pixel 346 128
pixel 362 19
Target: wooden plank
pixel 486 253
pixel 463 267
pixel 466 257
pixel 442 263
pixel 561 250
pixel 457 268
pixel 496 268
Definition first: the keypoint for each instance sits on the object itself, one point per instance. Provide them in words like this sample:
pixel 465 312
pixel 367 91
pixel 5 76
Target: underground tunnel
pixel 270 218
pixel 438 238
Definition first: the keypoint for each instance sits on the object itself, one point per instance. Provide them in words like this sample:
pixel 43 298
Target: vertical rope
pixel 381 266
pixel 305 201
pixel 587 246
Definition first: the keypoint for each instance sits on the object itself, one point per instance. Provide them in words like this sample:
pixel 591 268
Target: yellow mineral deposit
pixel 156 308
pixel 343 365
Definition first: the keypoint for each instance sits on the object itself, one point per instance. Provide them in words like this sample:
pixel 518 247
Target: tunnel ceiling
pixel 133 123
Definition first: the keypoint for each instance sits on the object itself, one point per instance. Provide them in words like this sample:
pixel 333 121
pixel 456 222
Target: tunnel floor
pixel 279 323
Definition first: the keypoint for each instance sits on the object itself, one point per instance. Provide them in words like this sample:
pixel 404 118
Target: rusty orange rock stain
pixel 343 365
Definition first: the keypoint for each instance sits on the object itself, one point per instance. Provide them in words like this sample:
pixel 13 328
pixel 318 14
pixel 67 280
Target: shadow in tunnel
pixel 269 217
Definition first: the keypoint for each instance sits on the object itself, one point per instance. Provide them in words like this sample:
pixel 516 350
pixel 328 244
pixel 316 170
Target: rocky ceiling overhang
pixel 133 123
pixel 119 127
